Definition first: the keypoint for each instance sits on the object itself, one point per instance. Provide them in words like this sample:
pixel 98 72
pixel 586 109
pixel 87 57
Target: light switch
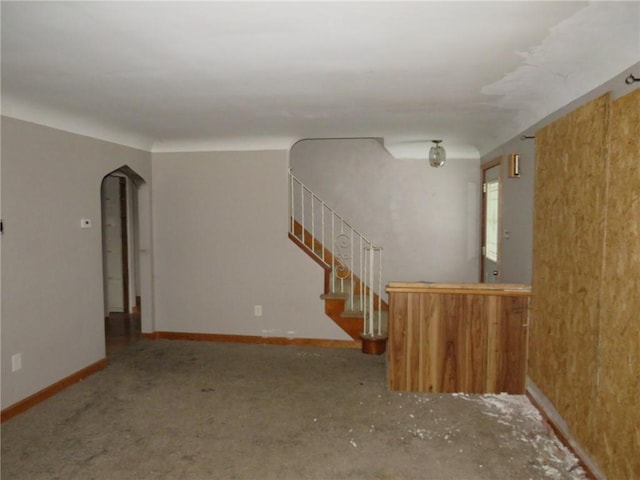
pixel 85 223
pixel 16 362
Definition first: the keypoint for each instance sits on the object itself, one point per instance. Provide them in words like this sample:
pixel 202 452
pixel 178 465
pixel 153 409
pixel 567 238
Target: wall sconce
pixel 514 165
pixel 437 154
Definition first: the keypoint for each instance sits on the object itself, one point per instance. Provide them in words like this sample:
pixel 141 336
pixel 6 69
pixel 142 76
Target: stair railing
pixel 355 262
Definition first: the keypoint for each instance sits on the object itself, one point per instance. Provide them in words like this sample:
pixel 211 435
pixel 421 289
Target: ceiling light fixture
pixel 437 154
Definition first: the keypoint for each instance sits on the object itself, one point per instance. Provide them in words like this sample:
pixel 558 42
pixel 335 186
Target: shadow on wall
pixel 426 219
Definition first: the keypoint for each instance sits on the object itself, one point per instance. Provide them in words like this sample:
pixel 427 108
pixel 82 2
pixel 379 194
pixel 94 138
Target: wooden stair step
pixel 349 318
pixel 334 296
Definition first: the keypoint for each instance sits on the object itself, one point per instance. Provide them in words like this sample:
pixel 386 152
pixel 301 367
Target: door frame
pixel 124 229
pixel 498 161
pixel 141 285
pixel 123 215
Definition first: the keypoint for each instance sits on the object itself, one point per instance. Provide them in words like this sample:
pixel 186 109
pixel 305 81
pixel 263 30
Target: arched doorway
pixel 121 265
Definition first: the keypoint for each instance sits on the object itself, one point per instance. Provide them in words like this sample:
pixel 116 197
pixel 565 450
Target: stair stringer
pixel 351 322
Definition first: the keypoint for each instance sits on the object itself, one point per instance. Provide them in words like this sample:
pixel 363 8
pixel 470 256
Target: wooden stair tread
pixel 334 296
pixel 349 318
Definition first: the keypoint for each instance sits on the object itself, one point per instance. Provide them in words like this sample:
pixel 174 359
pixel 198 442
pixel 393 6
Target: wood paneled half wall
pixel 452 338
pixel 584 347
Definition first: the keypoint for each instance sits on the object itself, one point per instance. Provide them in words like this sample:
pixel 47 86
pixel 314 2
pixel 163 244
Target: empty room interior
pixel 320 240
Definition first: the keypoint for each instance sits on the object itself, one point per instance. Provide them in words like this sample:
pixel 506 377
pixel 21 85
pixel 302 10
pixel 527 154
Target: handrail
pixel 351 253
pixel 299 182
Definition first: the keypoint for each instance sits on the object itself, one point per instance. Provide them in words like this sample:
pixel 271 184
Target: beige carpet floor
pixel 195 410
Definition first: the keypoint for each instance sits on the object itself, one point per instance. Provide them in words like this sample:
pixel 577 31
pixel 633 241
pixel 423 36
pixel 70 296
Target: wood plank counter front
pixel 449 338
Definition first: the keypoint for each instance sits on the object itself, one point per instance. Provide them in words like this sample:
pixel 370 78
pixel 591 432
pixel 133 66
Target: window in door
pixel 492 224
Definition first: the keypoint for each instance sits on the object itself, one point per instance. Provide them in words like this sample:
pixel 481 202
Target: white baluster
pixel 291 204
pixel 371 254
pixel 322 240
pixel 333 252
pixel 351 283
pixel 361 275
pixel 313 225
pixel 341 261
pixel 380 291
pixel 365 305
pixel 302 210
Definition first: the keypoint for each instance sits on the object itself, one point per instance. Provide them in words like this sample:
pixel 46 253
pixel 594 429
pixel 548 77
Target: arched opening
pixel 120 259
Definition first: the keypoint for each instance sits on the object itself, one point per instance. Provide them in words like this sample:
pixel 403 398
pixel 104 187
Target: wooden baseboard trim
pixel 561 429
pixel 51 390
pixel 217 337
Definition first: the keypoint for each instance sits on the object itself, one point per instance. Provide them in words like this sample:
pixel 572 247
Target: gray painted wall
pixel 517 212
pixel 426 219
pixel 52 295
pixel 221 247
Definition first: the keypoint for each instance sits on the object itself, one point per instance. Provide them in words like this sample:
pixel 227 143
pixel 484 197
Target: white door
pixel 112 229
pixel 491 224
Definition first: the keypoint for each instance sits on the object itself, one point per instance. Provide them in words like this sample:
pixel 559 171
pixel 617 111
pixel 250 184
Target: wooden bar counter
pixel 463 337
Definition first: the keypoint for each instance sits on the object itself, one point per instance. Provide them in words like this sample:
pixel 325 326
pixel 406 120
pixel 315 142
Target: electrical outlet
pixel 257 310
pixel 16 362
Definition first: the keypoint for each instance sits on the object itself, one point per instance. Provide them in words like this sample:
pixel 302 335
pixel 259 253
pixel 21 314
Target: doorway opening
pixel 118 193
pixel 491 237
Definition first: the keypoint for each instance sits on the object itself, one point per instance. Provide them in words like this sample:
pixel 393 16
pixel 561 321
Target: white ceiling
pixel 175 76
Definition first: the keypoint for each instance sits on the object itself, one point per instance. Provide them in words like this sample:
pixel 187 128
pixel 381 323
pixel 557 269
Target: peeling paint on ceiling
pixel 170 76
pixel 579 54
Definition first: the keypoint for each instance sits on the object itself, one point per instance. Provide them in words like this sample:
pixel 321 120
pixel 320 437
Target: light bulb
pixel 437 155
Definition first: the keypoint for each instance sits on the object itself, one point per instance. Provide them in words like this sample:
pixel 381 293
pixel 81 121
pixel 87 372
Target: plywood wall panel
pixel 569 211
pixel 618 408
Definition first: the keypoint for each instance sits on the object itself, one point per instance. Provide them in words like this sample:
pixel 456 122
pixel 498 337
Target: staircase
pixel 352 265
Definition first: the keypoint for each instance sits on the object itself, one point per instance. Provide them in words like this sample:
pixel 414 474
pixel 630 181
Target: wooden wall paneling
pixel 442 341
pixel 501 340
pixel 515 312
pixel 433 365
pixel 569 199
pixel 423 341
pixel 448 344
pixel 465 347
pixel 618 407
pixel 396 343
pixel 475 344
pixel 506 321
pixel 412 341
pixel 493 351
